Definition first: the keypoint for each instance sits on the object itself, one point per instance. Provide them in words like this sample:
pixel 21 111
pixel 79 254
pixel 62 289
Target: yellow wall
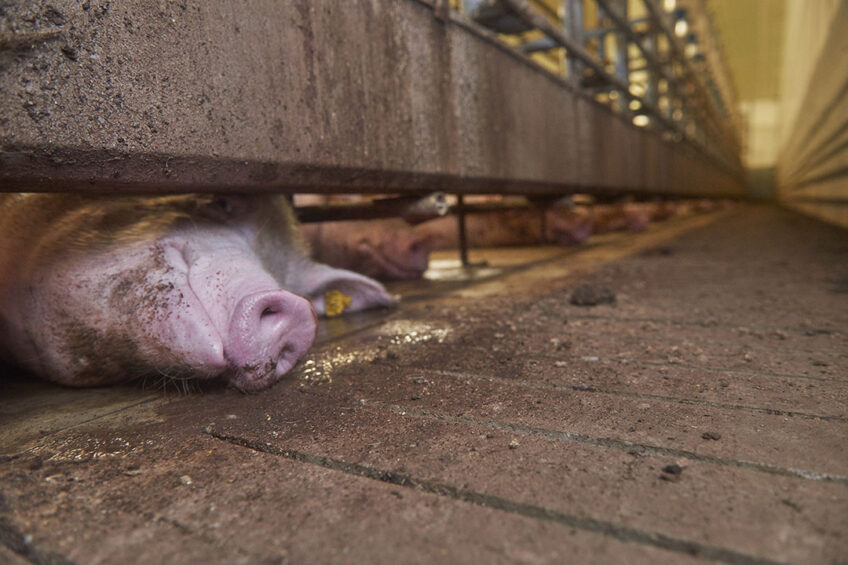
pixel 812 169
pixel 752 33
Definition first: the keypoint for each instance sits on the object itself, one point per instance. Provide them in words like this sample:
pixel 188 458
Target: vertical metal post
pixel 543 223
pixel 574 29
pixel 650 44
pixel 621 56
pixel 441 10
pixel 469 6
pixel 463 238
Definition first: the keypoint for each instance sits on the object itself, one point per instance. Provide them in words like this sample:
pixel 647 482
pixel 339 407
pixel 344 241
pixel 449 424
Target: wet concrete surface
pixel 699 418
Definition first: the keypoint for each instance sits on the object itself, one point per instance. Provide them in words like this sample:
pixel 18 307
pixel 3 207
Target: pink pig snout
pixel 269 331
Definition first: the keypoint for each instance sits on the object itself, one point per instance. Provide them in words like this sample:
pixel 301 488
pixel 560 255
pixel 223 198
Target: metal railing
pixel 640 57
pixel 627 54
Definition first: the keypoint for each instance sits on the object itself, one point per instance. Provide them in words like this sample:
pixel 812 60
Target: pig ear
pixel 318 282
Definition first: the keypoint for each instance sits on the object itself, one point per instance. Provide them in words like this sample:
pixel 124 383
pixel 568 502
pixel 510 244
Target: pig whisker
pixel 169 379
pixel 176 377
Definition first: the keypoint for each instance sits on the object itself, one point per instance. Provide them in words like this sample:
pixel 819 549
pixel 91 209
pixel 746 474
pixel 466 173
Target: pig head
pixel 103 289
pixel 387 249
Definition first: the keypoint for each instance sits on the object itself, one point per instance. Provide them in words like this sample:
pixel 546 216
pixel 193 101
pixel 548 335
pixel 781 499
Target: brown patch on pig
pixel 92 355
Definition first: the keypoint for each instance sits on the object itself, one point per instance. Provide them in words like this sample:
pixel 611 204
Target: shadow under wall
pixel 762 184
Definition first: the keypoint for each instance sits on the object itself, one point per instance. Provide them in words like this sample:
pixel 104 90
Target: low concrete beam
pixel 304 95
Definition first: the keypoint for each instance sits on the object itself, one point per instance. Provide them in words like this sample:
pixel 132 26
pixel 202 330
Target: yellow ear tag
pixel 335 303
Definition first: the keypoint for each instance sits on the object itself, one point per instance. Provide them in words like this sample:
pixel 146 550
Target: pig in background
pixel 632 217
pixel 386 249
pixel 103 289
pixel 393 250
pixel 560 225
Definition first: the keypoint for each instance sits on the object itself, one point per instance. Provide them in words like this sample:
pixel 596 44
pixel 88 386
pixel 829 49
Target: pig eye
pixel 223 204
pixel 218 208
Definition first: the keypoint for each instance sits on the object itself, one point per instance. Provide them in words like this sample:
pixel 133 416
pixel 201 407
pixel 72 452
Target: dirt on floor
pixel 677 396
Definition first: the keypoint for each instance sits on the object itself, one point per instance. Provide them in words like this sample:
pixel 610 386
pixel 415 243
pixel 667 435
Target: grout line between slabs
pixel 657 397
pixel 611 443
pixel 617 531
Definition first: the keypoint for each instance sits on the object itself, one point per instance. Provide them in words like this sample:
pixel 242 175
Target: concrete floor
pixel 701 418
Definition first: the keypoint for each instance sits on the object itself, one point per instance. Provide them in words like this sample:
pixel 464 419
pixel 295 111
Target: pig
pixel 663 211
pixel 386 249
pixel 568 225
pixel 101 289
pixel 485 229
pixel 704 205
pixel 683 209
pixel 621 217
pixel 562 225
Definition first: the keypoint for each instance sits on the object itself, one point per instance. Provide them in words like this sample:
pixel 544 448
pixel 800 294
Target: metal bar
pixel 621 23
pixel 575 27
pixel 543 225
pixel 542 44
pixel 598 32
pixel 463 236
pixel 654 71
pixel 557 200
pixel 700 90
pixel 522 9
pixel 621 37
pixel 411 209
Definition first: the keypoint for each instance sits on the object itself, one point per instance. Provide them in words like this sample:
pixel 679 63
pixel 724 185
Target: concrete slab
pixel 210 501
pixel 655 379
pixel 487 419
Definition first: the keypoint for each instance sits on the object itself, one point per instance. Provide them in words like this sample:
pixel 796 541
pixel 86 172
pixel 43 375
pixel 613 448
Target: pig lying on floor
pixel 390 249
pixel 102 289
pixel 562 226
pixel 384 249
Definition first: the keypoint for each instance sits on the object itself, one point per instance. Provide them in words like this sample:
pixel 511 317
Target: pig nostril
pixel 269 331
